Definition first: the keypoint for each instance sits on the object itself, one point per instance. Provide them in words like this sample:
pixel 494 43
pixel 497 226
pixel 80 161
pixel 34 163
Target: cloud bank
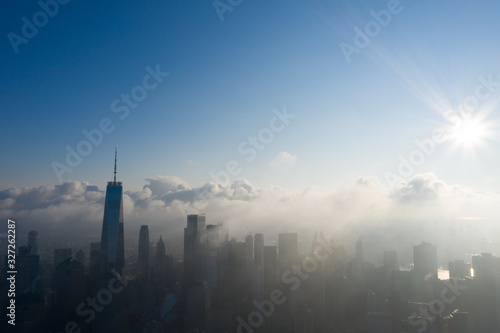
pixel 457 219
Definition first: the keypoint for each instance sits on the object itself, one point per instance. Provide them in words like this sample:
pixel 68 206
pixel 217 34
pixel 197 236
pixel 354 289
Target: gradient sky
pixel 226 78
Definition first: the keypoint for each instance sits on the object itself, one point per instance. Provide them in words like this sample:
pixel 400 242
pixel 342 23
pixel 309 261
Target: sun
pixel 468 132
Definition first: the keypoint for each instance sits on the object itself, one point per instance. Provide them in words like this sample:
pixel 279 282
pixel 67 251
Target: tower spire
pixel 114 179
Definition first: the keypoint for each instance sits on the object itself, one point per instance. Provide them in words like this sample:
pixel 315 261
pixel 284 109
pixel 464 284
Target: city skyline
pixel 250 134
pixel 330 123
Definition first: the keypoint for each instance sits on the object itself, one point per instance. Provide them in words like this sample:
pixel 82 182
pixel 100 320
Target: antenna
pixel 114 179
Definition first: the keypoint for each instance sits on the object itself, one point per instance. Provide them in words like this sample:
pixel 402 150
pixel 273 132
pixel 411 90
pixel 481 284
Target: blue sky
pixel 225 79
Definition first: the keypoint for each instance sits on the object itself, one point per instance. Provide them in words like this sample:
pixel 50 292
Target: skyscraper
pixel 193 248
pixel 425 259
pixel 288 252
pixel 33 241
pixel 112 241
pixel 258 267
pixel 143 259
pixel 359 251
pixel 62 254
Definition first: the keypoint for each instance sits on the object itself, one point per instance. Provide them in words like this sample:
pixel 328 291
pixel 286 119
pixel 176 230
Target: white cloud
pixel 424 208
pixel 283 160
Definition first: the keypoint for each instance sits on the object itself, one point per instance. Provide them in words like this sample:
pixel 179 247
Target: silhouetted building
pixel 112 239
pixel 258 268
pixel 425 259
pixel 459 269
pixel 98 261
pixel 33 241
pixel 143 259
pixel 198 305
pixel 111 292
pixel 193 265
pixel 80 256
pixel 485 266
pixel 164 275
pixel 69 288
pixel 270 268
pixel 287 251
pixel 391 261
pixel 27 267
pixel 359 251
pixel 61 254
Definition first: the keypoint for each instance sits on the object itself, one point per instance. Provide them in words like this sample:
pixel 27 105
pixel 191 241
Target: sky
pixel 311 100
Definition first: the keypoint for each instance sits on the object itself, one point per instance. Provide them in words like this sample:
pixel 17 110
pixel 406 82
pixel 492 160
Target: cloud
pixel 424 208
pixel 283 160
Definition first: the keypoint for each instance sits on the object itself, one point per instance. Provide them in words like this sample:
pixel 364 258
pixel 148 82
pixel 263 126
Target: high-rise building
pixel 143 260
pixel 33 241
pixel 80 256
pixel 287 251
pixel 163 272
pixel 62 254
pixel 259 249
pixel 258 267
pixel 27 266
pixel 98 261
pixel 391 262
pixel 485 266
pixel 425 259
pixel 359 251
pixel 112 241
pixel 270 269
pixel 193 248
pixel 69 288
pixel 459 269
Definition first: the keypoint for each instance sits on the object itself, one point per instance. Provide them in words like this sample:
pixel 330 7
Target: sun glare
pixel 468 132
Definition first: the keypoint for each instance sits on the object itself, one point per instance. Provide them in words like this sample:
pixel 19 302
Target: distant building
pixel 69 287
pixel 288 252
pixel 258 268
pixel 485 266
pixel 33 241
pixel 143 259
pixel 270 269
pixel 80 256
pixel 193 264
pixel 98 261
pixel 61 254
pixel 425 259
pixel 359 251
pixel 391 261
pixel 459 269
